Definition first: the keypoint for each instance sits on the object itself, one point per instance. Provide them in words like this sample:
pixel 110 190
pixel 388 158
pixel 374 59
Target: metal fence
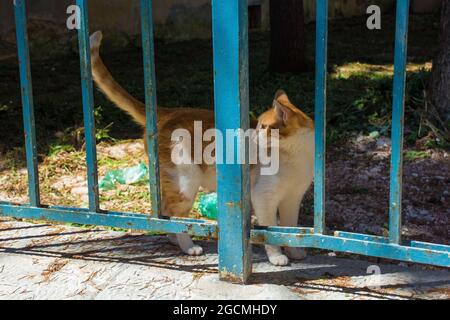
pixel 230 44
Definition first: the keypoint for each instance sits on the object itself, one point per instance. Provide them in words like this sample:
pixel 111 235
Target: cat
pixel 179 183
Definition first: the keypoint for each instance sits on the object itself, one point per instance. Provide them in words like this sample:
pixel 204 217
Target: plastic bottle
pixel 124 176
pixel 207 205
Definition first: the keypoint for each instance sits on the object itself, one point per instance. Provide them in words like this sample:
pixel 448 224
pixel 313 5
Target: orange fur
pixel 169 119
pixel 180 183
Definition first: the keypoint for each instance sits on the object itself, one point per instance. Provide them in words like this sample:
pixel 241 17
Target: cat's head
pixel 286 118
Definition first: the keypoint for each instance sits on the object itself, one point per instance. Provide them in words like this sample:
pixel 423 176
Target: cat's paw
pixel 296 253
pixel 195 251
pixel 279 260
pixel 187 246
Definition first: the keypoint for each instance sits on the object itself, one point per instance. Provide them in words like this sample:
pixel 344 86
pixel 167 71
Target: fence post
pixel 150 104
pixel 398 110
pixel 88 106
pixel 230 44
pixel 320 114
pixel 27 102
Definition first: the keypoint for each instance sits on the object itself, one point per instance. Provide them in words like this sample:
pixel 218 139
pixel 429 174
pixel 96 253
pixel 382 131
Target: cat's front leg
pixel 266 214
pixel 276 256
pixel 289 209
pixel 185 243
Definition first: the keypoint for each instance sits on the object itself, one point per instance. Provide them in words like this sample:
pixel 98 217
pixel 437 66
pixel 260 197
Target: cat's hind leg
pixel 178 190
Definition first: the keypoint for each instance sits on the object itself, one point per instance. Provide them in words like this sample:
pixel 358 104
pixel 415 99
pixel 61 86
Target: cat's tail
pixel 110 87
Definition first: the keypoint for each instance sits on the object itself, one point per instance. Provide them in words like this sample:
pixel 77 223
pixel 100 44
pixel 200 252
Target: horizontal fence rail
pixel 230 47
pixel 419 252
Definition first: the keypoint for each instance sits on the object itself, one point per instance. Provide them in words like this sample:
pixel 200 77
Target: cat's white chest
pixel 299 160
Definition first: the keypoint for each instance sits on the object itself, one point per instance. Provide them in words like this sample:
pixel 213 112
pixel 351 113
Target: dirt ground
pixel 357 187
pixel 358 191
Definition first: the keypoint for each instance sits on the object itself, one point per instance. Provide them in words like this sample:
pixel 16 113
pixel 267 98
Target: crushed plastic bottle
pixel 124 176
pixel 207 205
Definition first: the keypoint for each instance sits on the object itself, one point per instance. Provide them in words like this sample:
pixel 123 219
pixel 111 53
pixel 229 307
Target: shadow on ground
pixel 46 255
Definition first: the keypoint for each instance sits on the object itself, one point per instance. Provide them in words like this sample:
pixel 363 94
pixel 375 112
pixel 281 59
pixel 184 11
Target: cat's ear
pixel 282 112
pixel 282 97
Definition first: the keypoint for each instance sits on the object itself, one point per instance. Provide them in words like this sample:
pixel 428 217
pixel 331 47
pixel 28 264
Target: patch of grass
pixel 89 226
pixel 412 155
pixel 58 148
pixel 359 84
pixel 154 233
pixel 78 225
pixel 112 163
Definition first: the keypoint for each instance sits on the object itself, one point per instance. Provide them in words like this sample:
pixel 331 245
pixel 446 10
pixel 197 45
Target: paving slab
pixel 45 261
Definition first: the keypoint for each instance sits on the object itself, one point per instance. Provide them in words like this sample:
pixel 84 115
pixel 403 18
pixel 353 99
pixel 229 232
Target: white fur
pixel 271 194
pixel 284 191
pixel 189 177
pixel 281 192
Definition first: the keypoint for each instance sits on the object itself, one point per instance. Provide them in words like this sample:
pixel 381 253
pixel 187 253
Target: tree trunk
pixel 287 36
pixel 440 79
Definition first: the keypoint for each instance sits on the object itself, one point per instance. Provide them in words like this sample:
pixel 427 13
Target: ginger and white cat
pixel 280 193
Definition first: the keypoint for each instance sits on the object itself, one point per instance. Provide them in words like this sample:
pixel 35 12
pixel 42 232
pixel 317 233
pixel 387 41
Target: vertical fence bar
pixel 150 104
pixel 27 102
pixel 320 114
pixel 398 109
pixel 88 106
pixel 230 44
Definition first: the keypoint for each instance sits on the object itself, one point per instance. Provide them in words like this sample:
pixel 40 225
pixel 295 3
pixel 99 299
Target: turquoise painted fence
pixel 230 42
